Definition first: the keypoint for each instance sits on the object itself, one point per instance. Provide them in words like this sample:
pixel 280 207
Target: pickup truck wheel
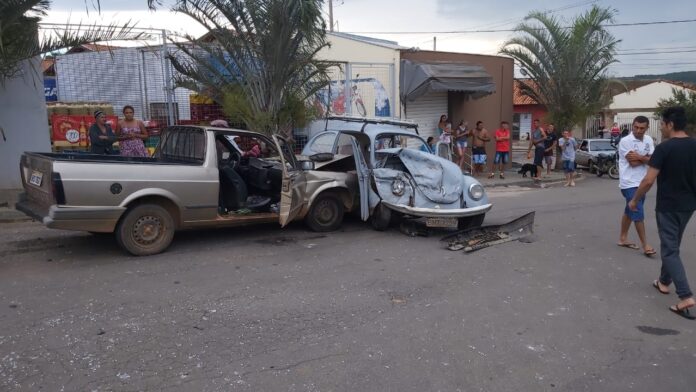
pixel 381 217
pixel 147 229
pixel 326 213
pixel 471 222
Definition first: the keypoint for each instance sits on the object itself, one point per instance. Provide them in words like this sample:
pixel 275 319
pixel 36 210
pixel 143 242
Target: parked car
pixel 198 177
pixel 398 175
pixel 589 149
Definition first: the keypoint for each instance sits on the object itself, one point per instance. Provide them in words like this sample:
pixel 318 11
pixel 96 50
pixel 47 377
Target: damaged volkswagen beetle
pixel 398 175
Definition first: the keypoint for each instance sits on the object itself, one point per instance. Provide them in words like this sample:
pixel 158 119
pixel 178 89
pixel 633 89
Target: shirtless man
pixel 478 149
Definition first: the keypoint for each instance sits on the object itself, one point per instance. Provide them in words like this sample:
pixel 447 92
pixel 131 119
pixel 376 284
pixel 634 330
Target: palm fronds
pixel 567 65
pixel 258 55
pixel 20 41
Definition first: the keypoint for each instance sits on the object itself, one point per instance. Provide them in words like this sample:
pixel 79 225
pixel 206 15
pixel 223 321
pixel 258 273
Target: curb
pixel 10 215
pixel 530 183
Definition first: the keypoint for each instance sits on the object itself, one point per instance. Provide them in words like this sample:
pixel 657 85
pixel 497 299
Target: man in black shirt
pixel 673 165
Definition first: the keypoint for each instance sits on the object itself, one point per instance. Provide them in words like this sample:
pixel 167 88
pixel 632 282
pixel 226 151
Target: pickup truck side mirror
pixel 306 165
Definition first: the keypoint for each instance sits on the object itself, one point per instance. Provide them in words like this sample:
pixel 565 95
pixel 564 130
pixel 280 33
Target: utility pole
pixel 435 43
pixel 331 15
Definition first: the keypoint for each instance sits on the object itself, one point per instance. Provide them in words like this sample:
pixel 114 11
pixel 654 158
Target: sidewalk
pixel 8 198
pixel 513 178
pixel 9 215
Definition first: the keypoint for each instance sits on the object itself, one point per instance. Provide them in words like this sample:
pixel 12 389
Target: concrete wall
pixel 645 97
pixel 346 50
pixel 491 109
pixel 24 120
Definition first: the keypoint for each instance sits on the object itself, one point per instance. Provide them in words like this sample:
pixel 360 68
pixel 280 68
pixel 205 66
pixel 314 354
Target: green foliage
pixel 681 97
pixel 259 58
pixel 687 76
pixel 19 40
pixel 567 66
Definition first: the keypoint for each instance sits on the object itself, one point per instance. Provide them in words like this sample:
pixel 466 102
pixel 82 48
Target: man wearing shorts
pixel 537 141
pixel 634 154
pixel 568 146
pixel 502 149
pixel 549 146
pixel 478 149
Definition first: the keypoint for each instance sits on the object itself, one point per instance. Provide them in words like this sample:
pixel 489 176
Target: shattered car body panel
pixel 401 175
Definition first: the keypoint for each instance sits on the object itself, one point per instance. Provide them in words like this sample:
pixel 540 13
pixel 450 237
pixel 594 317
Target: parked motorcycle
pixel 607 164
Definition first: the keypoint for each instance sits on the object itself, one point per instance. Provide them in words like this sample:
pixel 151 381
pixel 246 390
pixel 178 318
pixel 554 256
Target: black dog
pixel 528 167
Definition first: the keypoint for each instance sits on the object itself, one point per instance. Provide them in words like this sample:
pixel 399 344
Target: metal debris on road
pixel 473 239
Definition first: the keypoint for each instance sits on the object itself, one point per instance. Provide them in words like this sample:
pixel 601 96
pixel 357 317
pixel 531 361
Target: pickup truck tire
pixel 471 222
pixel 146 229
pixel 326 213
pixel 381 217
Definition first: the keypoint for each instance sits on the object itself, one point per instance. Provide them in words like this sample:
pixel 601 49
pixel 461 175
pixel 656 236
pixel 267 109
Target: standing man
pixel 502 149
pixel 478 149
pixel 673 164
pixel 568 146
pixel 537 141
pixel 634 154
pixel 549 146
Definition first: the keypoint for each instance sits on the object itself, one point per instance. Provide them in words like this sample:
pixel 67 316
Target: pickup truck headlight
pixel 476 191
pixel 398 187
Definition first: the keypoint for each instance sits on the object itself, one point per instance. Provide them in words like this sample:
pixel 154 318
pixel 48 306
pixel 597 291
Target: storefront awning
pixel 419 78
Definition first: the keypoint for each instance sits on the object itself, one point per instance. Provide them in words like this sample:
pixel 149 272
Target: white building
pixel 641 101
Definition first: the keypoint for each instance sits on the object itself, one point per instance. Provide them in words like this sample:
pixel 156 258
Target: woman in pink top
pixel 131 135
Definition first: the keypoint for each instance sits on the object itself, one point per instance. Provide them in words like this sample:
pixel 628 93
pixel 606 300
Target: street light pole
pixel 331 15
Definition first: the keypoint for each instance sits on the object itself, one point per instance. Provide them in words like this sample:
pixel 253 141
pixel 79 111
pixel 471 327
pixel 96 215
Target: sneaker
pixel 491 175
pixel 502 177
pixel 572 183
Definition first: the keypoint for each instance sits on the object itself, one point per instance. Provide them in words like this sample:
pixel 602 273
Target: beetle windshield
pixel 391 140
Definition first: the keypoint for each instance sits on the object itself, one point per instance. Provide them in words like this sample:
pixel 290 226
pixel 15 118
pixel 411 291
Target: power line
pixel 656 52
pixel 514 30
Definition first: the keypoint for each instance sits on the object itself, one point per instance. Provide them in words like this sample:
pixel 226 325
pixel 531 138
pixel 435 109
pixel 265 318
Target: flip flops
pixel 628 245
pixel 656 285
pixel 650 253
pixel 684 312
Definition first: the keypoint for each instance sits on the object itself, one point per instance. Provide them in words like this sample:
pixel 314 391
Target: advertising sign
pixel 74 129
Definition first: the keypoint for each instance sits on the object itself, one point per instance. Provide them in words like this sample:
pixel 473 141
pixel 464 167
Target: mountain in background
pixel 686 77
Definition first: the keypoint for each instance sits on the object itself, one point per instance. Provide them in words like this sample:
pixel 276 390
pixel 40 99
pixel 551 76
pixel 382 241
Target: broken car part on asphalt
pixel 473 239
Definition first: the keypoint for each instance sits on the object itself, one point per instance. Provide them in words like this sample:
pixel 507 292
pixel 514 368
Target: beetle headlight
pixel 398 187
pixel 476 191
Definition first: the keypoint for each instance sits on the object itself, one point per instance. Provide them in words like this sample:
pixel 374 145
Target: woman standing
pixel 461 136
pixel 131 134
pixel 101 136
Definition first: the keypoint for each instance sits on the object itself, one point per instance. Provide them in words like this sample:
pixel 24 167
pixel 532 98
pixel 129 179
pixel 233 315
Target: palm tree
pixel 259 58
pixel 567 65
pixel 19 41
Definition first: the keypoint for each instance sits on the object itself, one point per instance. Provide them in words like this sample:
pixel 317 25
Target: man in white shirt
pixel 635 150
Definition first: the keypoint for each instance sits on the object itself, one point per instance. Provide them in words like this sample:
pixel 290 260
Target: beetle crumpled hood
pixel 438 179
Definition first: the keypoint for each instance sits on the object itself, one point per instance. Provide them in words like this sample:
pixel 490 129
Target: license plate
pixel 36 178
pixel 441 222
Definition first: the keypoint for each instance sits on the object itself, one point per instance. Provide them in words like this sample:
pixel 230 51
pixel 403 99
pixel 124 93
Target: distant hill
pixel 687 77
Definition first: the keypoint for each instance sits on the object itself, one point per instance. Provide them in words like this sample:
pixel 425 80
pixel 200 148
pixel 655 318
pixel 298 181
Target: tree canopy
pixel 20 41
pixel 258 57
pixel 681 97
pixel 567 65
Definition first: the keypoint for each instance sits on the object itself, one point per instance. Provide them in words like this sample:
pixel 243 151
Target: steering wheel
pixel 233 160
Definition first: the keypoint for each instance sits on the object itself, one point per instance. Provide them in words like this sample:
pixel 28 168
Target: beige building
pixel 457 102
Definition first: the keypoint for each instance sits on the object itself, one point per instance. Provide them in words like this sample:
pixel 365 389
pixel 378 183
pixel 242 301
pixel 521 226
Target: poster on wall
pixel 335 100
pixel 73 130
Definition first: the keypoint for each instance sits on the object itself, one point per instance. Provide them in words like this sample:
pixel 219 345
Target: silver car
pixel 398 174
pixel 589 149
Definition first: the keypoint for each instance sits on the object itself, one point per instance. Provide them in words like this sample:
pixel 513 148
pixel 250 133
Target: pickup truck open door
pixel 294 183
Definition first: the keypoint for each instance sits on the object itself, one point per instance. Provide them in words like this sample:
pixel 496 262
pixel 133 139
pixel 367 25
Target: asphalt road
pixel 290 310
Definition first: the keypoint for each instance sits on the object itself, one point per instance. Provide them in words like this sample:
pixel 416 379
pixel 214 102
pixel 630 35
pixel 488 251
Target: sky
pixel 647 49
